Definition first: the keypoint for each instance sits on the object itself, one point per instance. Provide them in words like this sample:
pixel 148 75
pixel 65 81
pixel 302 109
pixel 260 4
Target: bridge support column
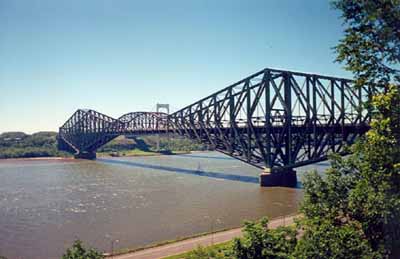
pixel 86 155
pixel 278 177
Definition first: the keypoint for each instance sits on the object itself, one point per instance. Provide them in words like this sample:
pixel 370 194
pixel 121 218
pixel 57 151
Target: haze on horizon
pixel 122 56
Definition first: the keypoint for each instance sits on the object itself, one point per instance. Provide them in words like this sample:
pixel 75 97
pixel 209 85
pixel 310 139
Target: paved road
pixel 192 243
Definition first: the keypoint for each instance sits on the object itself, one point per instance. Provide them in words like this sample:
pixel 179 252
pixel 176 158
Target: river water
pixel 46 204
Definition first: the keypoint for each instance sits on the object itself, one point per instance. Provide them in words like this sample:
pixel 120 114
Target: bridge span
pixel 275 120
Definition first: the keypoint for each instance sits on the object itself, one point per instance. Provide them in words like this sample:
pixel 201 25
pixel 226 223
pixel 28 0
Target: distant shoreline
pixel 37 158
pixel 145 154
pixel 101 155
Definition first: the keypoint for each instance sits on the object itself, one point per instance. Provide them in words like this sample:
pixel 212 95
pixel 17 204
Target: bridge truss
pixel 271 119
pixel 87 130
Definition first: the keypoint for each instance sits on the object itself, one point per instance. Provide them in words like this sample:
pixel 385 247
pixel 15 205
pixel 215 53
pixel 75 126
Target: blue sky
pixel 121 56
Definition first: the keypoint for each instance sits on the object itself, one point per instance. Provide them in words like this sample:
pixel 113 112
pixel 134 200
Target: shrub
pixel 259 242
pixel 78 251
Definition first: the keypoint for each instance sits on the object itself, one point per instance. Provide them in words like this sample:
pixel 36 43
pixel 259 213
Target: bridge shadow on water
pixel 198 172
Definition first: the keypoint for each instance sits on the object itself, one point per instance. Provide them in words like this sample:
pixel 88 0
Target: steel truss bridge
pixel 272 119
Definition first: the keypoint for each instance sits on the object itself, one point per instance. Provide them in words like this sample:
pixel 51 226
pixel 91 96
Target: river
pixel 46 204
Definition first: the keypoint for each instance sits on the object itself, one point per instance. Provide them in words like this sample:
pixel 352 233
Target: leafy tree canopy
pixel 78 251
pixel 259 242
pixel 358 202
pixel 371 44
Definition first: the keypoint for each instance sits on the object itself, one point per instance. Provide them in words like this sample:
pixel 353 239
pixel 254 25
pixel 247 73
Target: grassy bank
pixel 218 247
pixel 167 242
pixel 220 250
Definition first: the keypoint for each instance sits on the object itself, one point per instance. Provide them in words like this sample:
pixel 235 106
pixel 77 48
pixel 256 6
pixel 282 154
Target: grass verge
pixel 220 247
pixel 167 242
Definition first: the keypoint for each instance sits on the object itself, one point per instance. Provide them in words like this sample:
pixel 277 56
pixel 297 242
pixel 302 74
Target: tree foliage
pixel 371 44
pixel 358 203
pixel 359 200
pixel 209 253
pixel 19 144
pixel 341 241
pixel 260 242
pixel 78 251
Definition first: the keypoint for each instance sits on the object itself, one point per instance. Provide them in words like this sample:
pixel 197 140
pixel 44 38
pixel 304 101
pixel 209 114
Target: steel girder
pixel 273 118
pixel 142 122
pixel 87 130
pixel 277 118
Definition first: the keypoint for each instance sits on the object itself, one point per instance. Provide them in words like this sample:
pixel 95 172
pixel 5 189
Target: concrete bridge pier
pixel 283 177
pixel 86 155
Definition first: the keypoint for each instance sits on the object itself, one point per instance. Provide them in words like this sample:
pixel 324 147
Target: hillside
pixel 22 145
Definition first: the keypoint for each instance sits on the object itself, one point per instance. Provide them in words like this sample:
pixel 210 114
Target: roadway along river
pixel 46 204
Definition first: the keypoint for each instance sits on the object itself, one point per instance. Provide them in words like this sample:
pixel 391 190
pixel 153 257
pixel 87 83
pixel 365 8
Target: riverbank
pixel 180 248
pixel 44 144
pixel 140 153
pixel 100 154
pixel 45 158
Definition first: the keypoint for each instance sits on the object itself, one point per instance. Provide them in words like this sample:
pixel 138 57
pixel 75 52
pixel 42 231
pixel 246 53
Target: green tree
pixel 78 251
pixel 260 242
pixel 370 47
pixel 342 241
pixel 359 200
pixel 359 197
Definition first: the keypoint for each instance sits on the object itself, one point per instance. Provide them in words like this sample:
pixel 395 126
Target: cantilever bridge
pixel 273 119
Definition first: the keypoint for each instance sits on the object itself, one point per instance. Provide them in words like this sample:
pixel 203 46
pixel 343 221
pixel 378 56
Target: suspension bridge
pixel 275 120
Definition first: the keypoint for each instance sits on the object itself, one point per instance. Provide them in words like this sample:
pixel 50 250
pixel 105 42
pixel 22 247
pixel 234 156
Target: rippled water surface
pixel 46 204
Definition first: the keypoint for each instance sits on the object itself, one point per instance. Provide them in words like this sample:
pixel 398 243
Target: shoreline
pixel 40 158
pixel 71 158
pixel 102 155
pixel 186 244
